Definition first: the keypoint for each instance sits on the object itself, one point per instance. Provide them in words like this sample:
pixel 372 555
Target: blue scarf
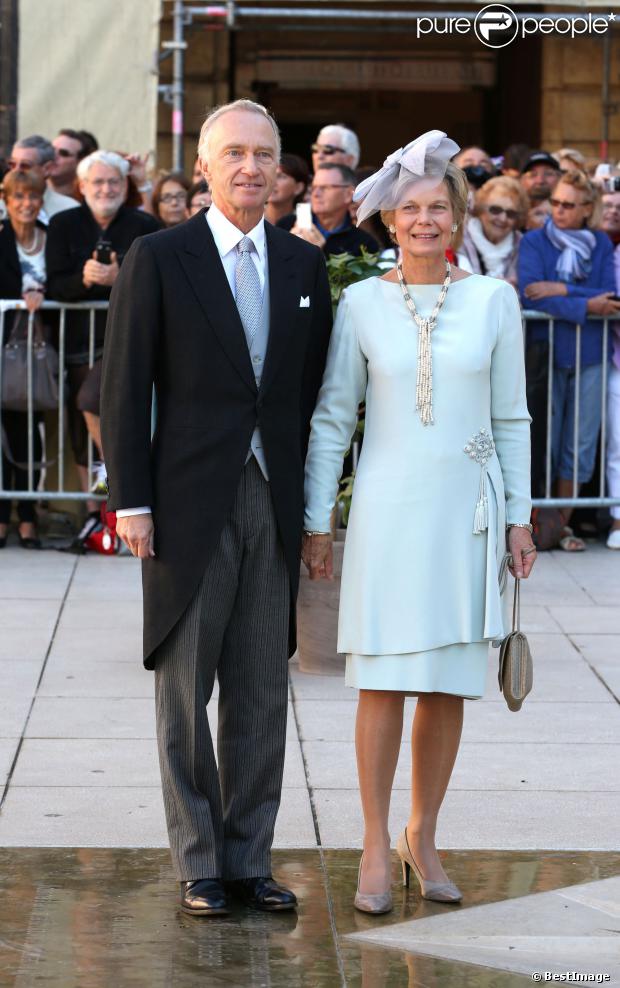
pixel 575 246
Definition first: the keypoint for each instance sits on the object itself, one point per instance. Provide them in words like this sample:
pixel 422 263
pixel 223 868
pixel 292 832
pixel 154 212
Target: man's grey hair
pixel 247 105
pixel 347 138
pixel 44 148
pixel 110 158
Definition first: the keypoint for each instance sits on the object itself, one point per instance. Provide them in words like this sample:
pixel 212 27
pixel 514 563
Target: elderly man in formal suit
pixel 229 319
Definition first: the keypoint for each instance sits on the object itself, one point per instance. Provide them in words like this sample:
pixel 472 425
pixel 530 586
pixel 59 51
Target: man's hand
pixel 312 235
pixel 95 273
pixel 137 532
pixel 603 305
pixel 545 289
pixel 316 552
pixel 523 552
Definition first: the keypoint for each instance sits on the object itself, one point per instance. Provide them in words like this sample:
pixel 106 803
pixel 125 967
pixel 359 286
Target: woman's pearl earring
pixel 392 228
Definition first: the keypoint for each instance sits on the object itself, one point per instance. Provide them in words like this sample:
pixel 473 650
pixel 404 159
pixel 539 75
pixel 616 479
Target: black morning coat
pixel 173 322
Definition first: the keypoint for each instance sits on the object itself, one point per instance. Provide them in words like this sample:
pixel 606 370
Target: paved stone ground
pixel 78 771
pixel 78 756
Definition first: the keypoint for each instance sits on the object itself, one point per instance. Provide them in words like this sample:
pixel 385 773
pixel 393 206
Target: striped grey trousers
pixel 221 822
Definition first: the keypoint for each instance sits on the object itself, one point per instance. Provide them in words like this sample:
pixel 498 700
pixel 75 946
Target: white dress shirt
pixel 226 236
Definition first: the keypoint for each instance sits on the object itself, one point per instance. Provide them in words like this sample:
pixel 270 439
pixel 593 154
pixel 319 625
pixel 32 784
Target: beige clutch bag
pixel 516 669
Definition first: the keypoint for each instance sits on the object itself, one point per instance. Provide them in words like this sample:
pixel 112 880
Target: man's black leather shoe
pixel 204 897
pixel 263 893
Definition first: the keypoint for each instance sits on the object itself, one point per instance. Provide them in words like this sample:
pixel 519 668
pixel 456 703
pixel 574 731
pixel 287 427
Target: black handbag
pixel 43 369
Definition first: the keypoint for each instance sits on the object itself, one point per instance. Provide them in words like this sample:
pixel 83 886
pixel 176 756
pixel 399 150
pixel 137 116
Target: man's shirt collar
pixel 227 235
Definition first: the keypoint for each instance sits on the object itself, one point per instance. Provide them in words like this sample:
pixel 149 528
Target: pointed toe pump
pixel 437 891
pixel 378 903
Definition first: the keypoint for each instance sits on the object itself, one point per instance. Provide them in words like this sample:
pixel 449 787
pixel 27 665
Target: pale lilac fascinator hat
pixel 426 157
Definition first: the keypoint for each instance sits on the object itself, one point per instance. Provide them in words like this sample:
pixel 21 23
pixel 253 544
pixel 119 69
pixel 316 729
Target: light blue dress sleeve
pixel 510 418
pixel 335 417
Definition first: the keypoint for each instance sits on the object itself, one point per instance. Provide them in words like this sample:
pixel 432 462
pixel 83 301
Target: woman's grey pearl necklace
pixel 424 382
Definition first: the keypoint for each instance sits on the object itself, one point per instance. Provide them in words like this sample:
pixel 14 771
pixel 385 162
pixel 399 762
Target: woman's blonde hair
pixel 581 182
pixel 503 185
pixel 23 181
pixel 458 192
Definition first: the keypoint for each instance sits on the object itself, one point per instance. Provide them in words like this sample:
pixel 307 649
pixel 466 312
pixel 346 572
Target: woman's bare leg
pixel 435 739
pixel 378 732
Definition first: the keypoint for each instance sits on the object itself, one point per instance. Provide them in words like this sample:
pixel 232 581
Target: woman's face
pixel 499 217
pixel 569 209
pixel 198 201
pixel 23 206
pixel 285 190
pixel 424 220
pixel 172 203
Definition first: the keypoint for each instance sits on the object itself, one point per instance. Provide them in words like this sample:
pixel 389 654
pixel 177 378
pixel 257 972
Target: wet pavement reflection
pixel 107 918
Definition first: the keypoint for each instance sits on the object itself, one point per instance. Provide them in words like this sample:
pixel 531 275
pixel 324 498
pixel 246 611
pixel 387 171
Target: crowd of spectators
pixel 547 222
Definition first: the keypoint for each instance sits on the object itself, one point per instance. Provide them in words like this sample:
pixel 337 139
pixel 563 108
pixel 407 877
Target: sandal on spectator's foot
pixel 571 542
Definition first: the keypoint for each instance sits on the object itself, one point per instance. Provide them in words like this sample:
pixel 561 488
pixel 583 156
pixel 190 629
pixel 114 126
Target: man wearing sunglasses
pixel 37 156
pixel 331 194
pixel 336 145
pixel 69 151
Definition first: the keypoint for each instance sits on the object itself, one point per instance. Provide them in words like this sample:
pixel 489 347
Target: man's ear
pixel 348 193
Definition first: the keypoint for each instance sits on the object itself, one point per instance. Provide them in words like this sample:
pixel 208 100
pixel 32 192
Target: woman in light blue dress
pixel 444 473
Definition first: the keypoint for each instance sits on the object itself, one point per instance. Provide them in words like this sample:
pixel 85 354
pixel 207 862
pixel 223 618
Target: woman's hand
pixel 316 552
pixel 33 299
pixel 137 167
pixel 603 305
pixel 312 235
pixel 523 552
pixel 545 289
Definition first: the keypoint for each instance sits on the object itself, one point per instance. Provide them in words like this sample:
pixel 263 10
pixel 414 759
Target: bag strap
pixel 516 607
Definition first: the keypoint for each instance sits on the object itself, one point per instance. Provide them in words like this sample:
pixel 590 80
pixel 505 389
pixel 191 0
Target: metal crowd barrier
pixel 60 493
pixel 600 501
pixel 31 494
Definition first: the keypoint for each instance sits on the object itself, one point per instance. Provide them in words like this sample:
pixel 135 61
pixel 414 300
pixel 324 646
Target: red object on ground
pixel 104 538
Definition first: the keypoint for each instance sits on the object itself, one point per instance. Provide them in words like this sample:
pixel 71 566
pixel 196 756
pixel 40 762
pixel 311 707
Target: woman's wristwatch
pixel 520 524
pixel 316 533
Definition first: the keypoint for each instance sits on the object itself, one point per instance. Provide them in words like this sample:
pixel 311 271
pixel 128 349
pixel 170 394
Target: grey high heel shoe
pixel 378 903
pixel 437 891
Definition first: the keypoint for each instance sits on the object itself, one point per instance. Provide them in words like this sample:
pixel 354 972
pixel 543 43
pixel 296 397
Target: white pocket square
pixel 304 303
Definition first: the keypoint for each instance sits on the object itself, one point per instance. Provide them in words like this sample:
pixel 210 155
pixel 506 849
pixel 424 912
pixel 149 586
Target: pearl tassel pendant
pixel 424 381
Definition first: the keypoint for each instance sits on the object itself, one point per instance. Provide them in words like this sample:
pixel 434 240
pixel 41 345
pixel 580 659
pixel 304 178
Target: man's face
pixel 27 160
pixel 611 213
pixel 104 190
pixel 242 162
pixel 330 194
pixel 541 177
pixel 328 149
pixel 66 150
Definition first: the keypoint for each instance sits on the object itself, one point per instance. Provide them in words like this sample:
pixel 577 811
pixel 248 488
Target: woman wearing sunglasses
pixel 566 270
pixel 491 239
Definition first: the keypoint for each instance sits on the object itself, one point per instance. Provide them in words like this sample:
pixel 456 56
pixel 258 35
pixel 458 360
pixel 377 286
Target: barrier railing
pixel 9 305
pixel 61 493
pixel 600 501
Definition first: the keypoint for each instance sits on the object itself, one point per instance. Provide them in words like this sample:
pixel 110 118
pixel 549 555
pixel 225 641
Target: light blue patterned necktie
pixel 248 294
